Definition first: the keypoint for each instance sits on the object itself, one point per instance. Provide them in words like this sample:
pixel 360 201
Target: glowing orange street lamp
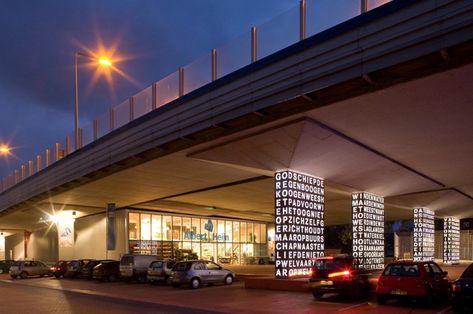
pixel 5 150
pixel 103 61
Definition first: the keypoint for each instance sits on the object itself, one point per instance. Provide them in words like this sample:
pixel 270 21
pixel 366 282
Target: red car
pixel 408 279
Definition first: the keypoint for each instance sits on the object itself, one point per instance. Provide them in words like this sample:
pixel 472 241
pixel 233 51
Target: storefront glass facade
pixel 219 240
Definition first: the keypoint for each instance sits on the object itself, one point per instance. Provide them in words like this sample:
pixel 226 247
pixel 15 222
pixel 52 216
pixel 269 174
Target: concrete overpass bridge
pixel 379 103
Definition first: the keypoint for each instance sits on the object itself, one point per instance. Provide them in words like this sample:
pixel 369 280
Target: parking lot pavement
pixel 89 296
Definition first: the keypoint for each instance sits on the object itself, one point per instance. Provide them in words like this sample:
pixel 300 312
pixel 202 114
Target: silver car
pixel 197 273
pixel 160 271
pixel 29 268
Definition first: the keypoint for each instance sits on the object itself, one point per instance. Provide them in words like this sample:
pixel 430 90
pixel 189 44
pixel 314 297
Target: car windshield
pixel 17 263
pixel 402 270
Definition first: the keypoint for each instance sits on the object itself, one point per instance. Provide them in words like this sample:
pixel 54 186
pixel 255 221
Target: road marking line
pixel 445 310
pixel 353 306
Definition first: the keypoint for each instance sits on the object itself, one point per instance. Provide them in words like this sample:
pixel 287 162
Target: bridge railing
pixel 308 18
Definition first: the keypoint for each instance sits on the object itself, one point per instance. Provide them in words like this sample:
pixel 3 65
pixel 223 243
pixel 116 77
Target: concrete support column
pixel 451 240
pixel 423 246
pixel 2 246
pixel 299 223
pixel 368 230
pixel 65 233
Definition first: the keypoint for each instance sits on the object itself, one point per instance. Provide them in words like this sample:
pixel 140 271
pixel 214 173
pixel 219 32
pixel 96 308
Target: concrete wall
pixel 91 233
pixel 14 246
pixel 90 237
pixel 43 245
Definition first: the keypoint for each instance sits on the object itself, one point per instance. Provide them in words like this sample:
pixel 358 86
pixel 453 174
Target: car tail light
pixel 346 274
pixel 456 288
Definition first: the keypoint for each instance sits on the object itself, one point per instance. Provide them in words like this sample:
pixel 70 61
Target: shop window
pixel 196 249
pixel 236 231
pixel 257 233
pixel 176 228
pixel 145 227
pixel 228 231
pixel 195 226
pixel 249 232
pixel 156 227
pixel 167 225
pixel 134 226
pixel 236 253
pixel 263 233
pixel 204 232
pixel 212 229
pixel 243 232
pixel 186 228
pixel 220 236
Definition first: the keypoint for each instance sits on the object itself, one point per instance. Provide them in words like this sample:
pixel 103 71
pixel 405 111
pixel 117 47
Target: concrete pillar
pixel 2 246
pixel 65 233
pixel 423 245
pixel 451 240
pixel 368 230
pixel 299 223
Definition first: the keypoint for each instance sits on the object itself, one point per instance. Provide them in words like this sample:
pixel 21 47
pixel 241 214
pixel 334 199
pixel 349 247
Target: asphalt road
pixel 50 295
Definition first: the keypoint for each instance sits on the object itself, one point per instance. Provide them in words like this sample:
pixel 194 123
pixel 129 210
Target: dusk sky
pixel 153 38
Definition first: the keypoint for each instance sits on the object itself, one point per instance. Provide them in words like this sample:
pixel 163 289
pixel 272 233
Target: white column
pixel 451 240
pixel 368 230
pixel 424 235
pixel 299 222
pixel 2 246
pixel 65 233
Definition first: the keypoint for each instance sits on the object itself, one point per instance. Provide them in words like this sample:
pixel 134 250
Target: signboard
pixel 451 240
pixel 424 235
pixel 111 227
pixel 299 223
pixel 65 229
pixel 368 230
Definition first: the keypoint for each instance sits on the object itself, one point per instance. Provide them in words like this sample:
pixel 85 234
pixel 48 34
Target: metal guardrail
pixel 308 18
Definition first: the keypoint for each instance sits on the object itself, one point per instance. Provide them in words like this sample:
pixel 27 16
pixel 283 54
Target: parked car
pixel 340 275
pixel 5 266
pixel 87 269
pixel 196 273
pixel 160 271
pixel 74 267
pixel 107 270
pixel 408 279
pixel 29 268
pixel 135 266
pixel 462 291
pixel 59 269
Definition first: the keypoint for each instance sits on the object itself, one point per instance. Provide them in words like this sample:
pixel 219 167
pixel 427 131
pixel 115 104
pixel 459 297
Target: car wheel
pixel 317 294
pixel 152 282
pixel 195 283
pixel 112 278
pixel 57 276
pixel 228 280
pixel 24 275
pixel 381 299
pixel 13 276
pixel 176 285
pixel 168 280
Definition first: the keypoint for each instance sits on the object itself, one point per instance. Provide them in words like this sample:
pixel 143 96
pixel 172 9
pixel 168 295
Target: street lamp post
pixel 102 61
